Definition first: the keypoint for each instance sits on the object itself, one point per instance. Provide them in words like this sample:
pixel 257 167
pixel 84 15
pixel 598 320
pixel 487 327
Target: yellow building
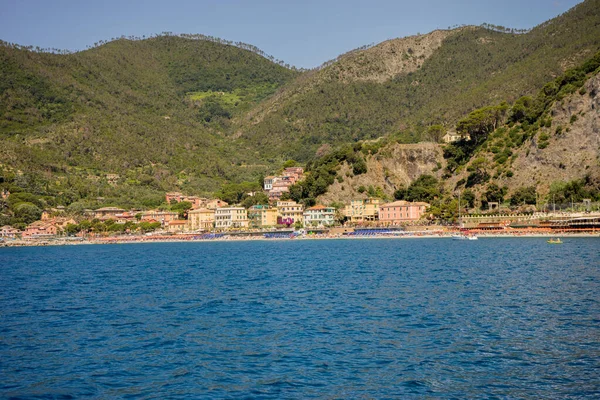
pixel 178 225
pixel 363 210
pixel 269 217
pixel 201 219
pixel 289 212
pixel 261 216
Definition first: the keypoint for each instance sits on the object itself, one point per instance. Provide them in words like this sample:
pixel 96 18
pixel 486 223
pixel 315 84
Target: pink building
pixel 39 229
pixel 401 211
pixel 177 197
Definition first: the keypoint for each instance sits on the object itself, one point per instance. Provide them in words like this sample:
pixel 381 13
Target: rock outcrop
pixel 394 166
pixel 573 149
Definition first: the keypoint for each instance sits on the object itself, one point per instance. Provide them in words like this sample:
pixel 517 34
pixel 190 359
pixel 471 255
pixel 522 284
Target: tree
pixel 523 195
pixel 521 110
pixel 27 212
pixel 424 188
pixel 435 133
pixel 211 109
pixel 289 164
pixel 400 193
pixel 181 208
pixel 359 166
pixel 494 193
pixel 468 198
pixel 481 122
pixel 72 229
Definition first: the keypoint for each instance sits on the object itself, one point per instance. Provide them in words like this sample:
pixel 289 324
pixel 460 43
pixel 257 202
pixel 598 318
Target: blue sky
pixel 302 33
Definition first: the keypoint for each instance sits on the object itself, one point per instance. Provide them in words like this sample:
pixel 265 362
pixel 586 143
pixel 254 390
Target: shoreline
pixel 150 239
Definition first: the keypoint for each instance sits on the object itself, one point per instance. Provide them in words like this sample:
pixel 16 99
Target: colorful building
pixel 39 229
pixel 401 211
pixel 319 216
pixel 163 217
pixel 268 183
pixel 107 212
pixel 178 225
pixel 201 219
pixel 289 212
pixel 8 231
pixel 215 203
pixel 364 210
pixel 261 216
pixel 231 217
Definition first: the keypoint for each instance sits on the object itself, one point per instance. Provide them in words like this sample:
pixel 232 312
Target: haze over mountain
pixel 183 113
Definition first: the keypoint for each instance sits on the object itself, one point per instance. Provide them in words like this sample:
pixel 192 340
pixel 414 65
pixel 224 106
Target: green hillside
pixel 472 68
pixel 128 108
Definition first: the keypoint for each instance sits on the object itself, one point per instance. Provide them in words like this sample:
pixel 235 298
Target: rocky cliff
pixel 394 166
pixel 573 144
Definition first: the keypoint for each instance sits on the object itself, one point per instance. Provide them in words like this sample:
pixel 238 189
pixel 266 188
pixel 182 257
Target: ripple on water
pixel 500 318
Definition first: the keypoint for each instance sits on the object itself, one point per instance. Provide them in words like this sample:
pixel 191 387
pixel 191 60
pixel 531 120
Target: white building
pixel 319 216
pixel 231 217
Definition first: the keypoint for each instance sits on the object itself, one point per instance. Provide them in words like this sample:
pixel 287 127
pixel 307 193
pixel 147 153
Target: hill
pixel 402 86
pixel 151 111
pixel 537 149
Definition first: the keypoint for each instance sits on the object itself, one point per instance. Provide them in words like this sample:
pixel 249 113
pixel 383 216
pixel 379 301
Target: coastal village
pixel 214 218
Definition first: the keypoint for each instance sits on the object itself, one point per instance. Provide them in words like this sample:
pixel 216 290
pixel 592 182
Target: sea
pixel 296 319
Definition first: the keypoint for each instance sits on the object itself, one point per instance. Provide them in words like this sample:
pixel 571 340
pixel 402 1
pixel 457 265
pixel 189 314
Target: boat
pixel 464 237
pixel 554 241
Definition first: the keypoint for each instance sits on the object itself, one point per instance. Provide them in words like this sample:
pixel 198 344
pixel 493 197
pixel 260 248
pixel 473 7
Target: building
pixel 319 216
pixel 61 222
pixel 8 231
pixel 280 186
pixel 178 225
pixel 261 216
pixel 451 137
pixel 401 211
pixel 173 197
pixel 277 185
pixel 362 210
pixel 201 219
pixel 289 212
pixel 125 217
pixel 298 172
pixel 108 212
pixel 268 183
pixel 215 203
pixel 39 229
pixel 163 217
pixel 231 217
pixel 176 197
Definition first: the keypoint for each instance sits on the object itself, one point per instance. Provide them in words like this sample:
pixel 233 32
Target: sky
pixel 302 33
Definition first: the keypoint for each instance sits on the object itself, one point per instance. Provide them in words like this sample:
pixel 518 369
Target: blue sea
pixel 397 318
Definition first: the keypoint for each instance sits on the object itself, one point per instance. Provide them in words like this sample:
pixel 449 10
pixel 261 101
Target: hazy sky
pixel 302 33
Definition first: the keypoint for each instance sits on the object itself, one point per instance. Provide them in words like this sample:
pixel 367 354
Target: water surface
pixel 398 318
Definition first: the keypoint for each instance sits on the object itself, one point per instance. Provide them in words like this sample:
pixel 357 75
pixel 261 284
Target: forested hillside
pixel 152 111
pixel 439 77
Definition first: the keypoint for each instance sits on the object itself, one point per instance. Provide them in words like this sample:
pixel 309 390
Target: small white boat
pixel 464 237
